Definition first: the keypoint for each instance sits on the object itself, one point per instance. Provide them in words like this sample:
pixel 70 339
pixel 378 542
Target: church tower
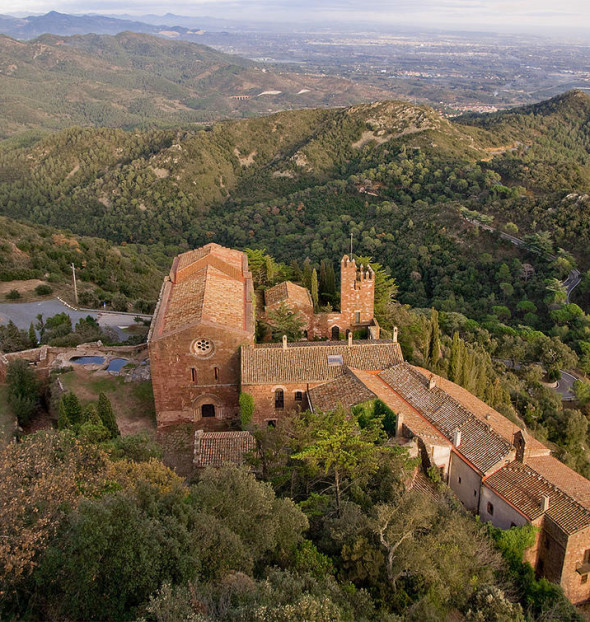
pixel 357 293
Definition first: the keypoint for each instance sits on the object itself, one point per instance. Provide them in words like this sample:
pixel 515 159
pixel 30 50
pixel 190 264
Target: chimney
pixel 395 334
pixel 284 342
pixel 431 382
pixel 349 338
pixel 545 503
pixel 457 437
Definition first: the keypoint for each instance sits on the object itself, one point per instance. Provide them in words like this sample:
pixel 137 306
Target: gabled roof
pixel 523 487
pixel 210 284
pixel 347 391
pixel 216 448
pixel 287 292
pixel 480 444
pixel 307 362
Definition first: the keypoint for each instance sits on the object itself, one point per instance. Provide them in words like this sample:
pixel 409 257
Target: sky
pixel 503 15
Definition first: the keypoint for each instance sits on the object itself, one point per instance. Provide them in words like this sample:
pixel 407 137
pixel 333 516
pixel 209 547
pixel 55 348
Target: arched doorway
pixel 335 333
pixel 207 410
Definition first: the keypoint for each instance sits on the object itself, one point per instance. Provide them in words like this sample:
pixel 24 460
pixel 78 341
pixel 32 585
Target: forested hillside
pixel 136 80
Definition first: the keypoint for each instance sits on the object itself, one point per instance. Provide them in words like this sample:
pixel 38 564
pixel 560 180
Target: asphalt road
pixel 22 314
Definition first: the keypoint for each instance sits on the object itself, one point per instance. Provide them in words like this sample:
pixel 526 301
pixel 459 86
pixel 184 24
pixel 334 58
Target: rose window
pixel 202 347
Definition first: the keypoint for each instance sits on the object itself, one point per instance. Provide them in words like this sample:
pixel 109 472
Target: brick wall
pixel 571 581
pixel 357 293
pixel 264 401
pixel 183 381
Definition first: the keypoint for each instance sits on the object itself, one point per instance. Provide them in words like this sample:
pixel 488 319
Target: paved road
pixel 565 386
pixel 22 314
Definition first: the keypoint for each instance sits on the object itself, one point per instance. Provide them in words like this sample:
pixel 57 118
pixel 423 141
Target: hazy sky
pixel 523 14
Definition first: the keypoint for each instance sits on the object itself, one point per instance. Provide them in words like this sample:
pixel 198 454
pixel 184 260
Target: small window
pixel 299 396
pixel 216 369
pixel 335 333
pixel 490 508
pixel 357 317
pixel 475 493
pixel 279 398
pixel 208 410
pixel 459 479
pixel 335 360
pixel 584 578
pixel 194 375
pixel 271 423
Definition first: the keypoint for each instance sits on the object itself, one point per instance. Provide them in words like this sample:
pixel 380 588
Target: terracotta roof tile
pixel 524 488
pixel 215 448
pixel 210 284
pixel 287 292
pixel 347 390
pixel 412 419
pixel 480 444
pixel 305 362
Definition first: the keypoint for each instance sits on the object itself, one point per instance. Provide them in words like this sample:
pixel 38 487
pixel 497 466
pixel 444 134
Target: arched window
pixel 335 333
pixel 279 399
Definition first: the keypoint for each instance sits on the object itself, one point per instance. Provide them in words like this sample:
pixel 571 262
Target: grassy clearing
pixel 6 417
pixel 133 402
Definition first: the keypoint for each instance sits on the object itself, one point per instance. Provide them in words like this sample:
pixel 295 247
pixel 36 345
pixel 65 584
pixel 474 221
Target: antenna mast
pixel 351 244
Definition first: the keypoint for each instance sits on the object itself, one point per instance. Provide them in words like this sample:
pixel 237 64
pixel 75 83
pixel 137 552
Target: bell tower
pixel 357 293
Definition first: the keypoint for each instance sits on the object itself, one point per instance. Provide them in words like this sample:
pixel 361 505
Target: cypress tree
pixel 90 415
pixel 107 416
pixel 307 272
pixel 63 421
pixel 455 358
pixel 32 336
pixel 434 346
pixel 314 289
pixel 72 408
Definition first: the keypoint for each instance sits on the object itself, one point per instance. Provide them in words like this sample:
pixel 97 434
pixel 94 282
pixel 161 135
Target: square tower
pixel 357 293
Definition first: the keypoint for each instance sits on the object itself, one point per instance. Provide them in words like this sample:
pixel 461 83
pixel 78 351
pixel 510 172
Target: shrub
pixel 246 409
pixel 43 290
pixel 13 294
pixel 119 302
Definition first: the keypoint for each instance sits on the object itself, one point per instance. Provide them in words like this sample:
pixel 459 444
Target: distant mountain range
pixel 63 24
pixel 136 79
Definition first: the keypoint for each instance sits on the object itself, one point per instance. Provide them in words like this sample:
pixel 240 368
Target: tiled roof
pixel 209 284
pixel 480 444
pixel 347 390
pixel 303 362
pixel 412 419
pixel 524 488
pixel 498 422
pixel 557 473
pixel 287 292
pixel 215 448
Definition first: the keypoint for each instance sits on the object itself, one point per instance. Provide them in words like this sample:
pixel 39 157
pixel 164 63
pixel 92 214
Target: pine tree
pixel 314 289
pixel 107 416
pixel 90 415
pixel 296 272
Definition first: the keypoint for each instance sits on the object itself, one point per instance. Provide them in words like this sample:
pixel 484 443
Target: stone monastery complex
pixel 203 355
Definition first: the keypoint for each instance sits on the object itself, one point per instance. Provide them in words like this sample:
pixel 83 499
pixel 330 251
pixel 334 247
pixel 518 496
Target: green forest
pixel 319 525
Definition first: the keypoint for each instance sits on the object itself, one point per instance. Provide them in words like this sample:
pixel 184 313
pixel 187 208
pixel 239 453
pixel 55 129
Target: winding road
pixel 573 278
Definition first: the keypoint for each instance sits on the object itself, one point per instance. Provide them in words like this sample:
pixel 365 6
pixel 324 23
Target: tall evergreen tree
pixel 455 358
pixel 314 289
pixel 307 272
pixel 434 345
pixel 107 416
pixel 72 408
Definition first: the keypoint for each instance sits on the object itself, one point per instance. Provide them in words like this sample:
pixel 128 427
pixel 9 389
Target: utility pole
pixel 75 286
